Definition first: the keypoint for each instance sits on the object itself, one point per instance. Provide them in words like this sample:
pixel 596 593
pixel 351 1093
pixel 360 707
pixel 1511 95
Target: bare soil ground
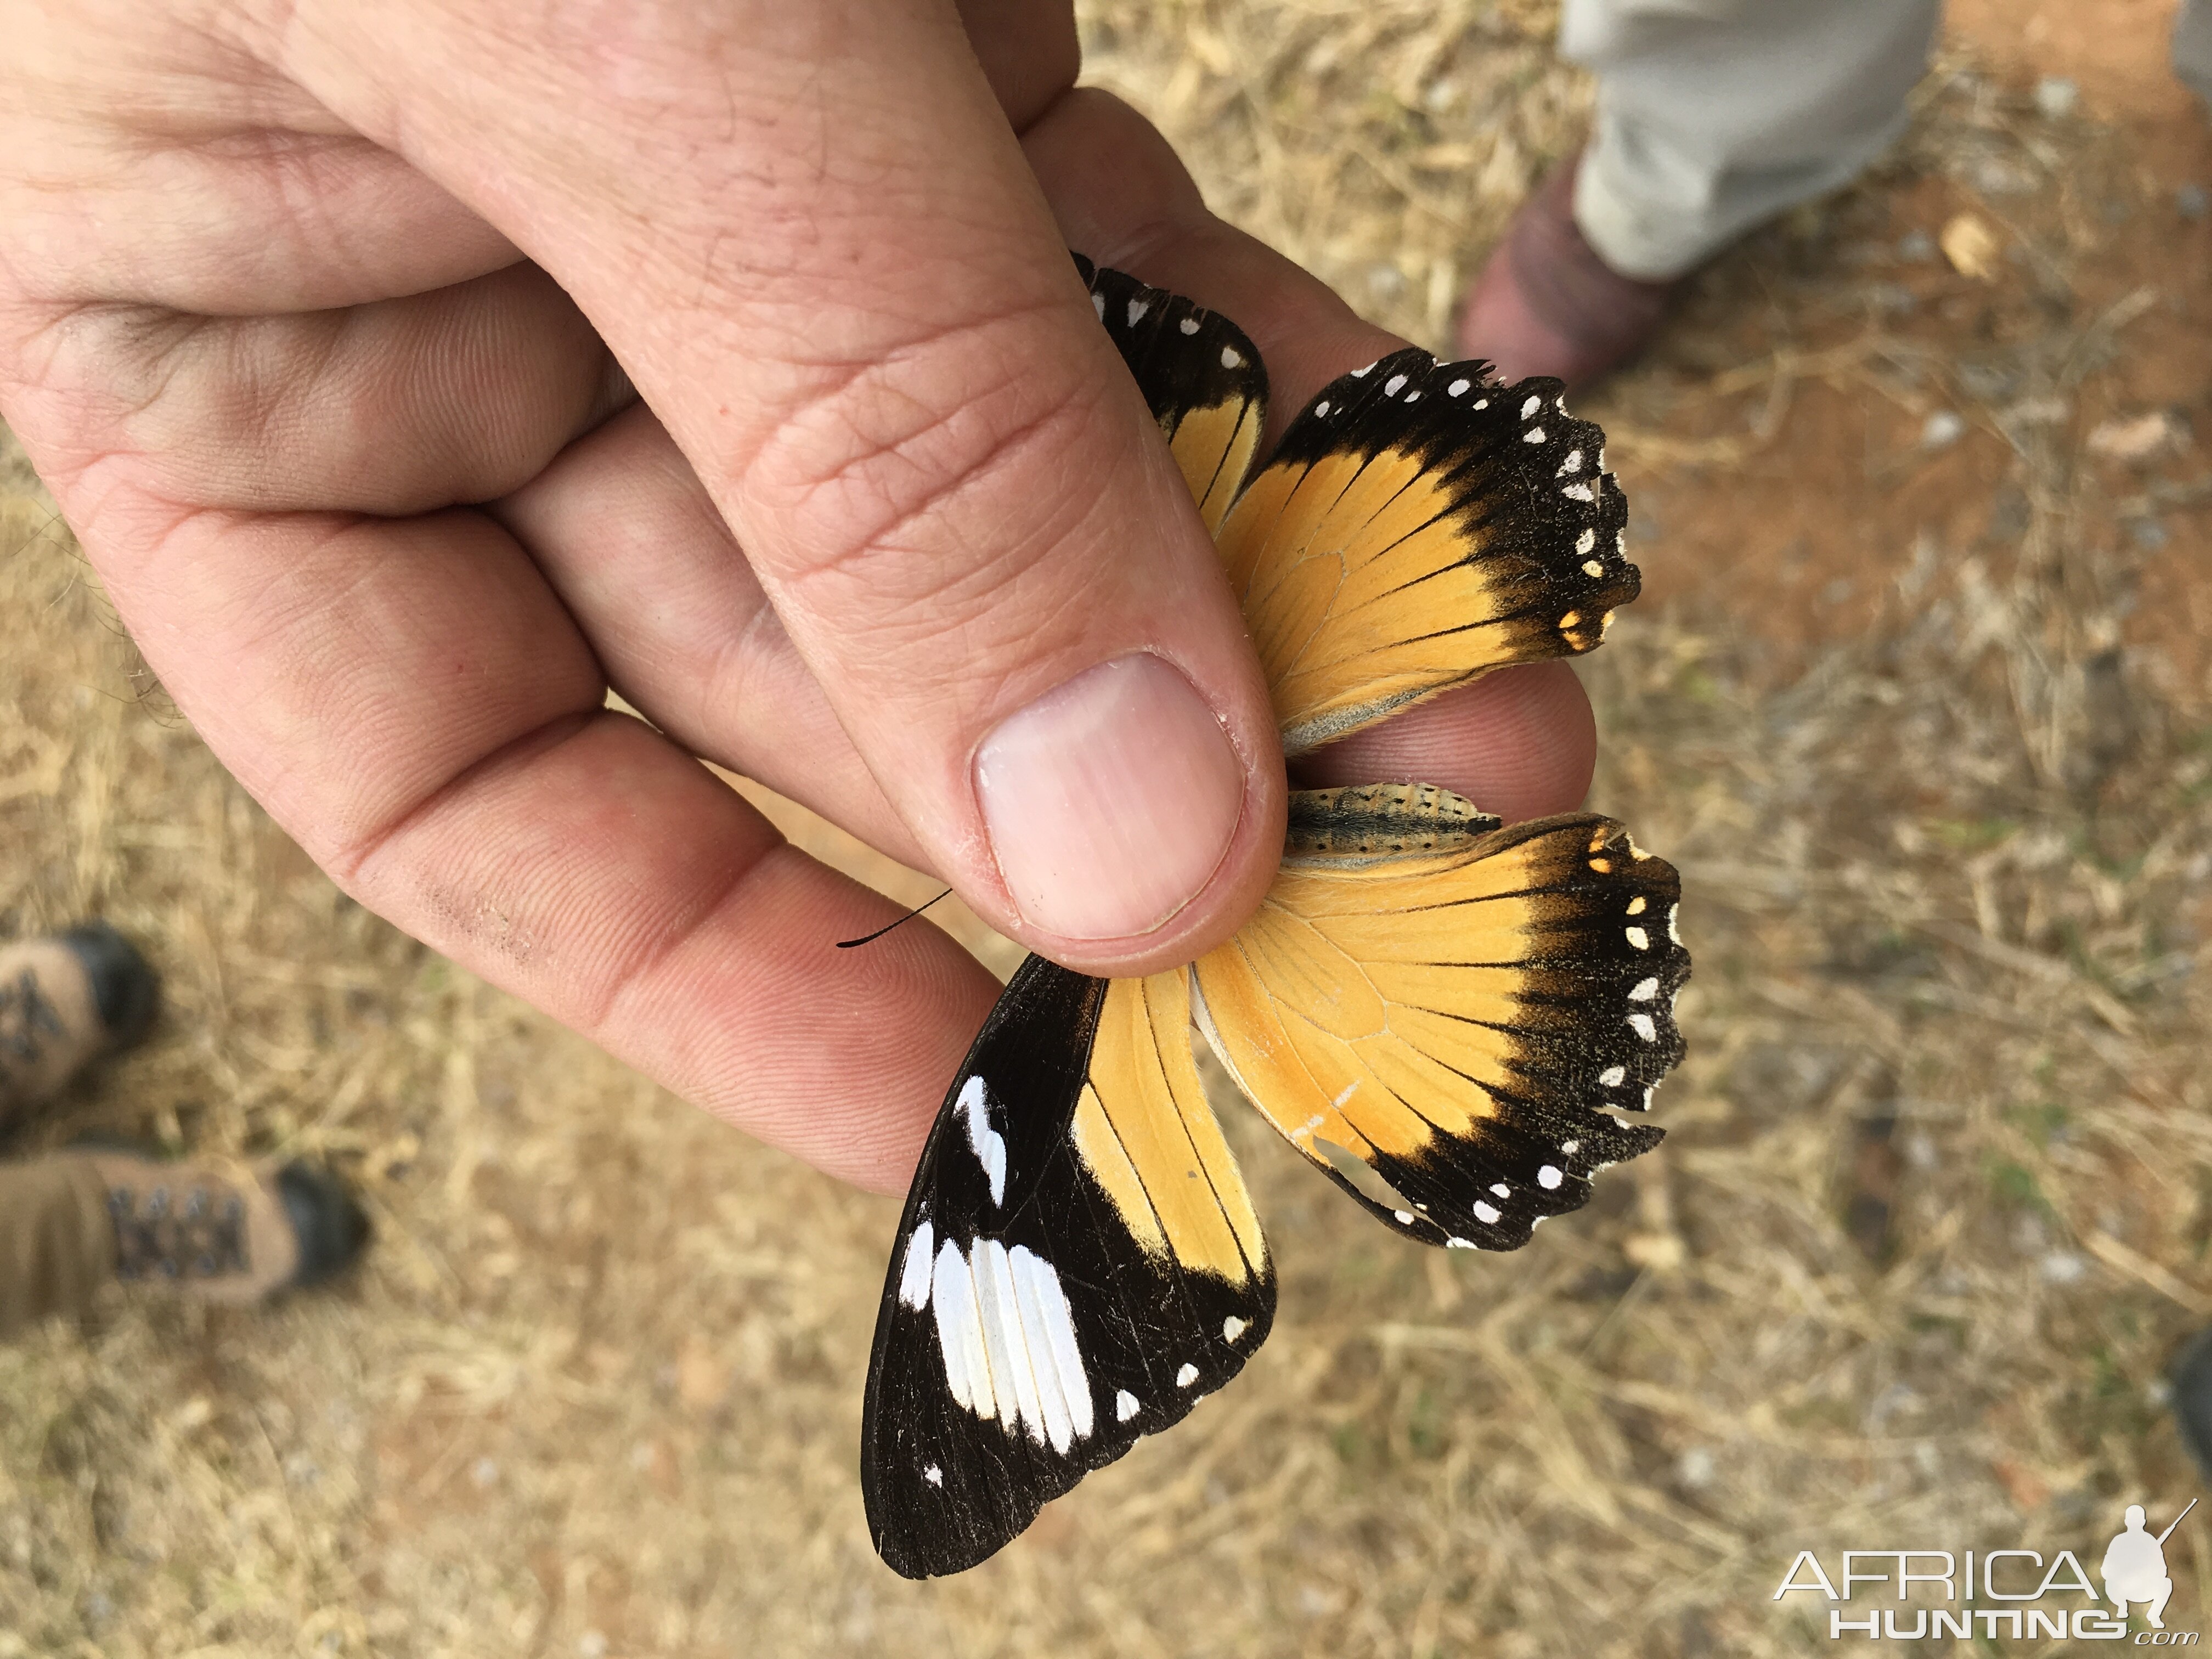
pixel 1918 699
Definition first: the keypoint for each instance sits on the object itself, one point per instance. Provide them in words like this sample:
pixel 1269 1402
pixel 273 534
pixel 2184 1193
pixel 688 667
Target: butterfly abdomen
pixel 1376 821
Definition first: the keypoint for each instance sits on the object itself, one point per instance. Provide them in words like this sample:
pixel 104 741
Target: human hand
pixel 323 324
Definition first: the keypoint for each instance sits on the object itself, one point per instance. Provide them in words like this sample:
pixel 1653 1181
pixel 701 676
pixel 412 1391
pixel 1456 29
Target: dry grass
pixel 1932 1217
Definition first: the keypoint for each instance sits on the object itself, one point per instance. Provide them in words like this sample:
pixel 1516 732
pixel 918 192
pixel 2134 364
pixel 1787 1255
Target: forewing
pixel 1461 1021
pixel 1201 377
pixel 1418 525
pixel 1078 1264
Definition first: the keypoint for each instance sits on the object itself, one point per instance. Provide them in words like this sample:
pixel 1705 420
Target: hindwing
pixel 1454 1014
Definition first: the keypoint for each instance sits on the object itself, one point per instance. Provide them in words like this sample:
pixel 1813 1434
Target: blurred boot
pixel 203 1227
pixel 1546 304
pixel 2190 1377
pixel 1713 117
pixel 64 1000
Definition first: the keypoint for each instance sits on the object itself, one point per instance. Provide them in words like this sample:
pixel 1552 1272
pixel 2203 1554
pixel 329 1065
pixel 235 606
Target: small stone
pixel 2136 437
pixel 1697 1469
pixel 2192 201
pixel 1972 246
pixel 2056 97
pixel 483 1472
pixel 1941 430
pixel 2065 1268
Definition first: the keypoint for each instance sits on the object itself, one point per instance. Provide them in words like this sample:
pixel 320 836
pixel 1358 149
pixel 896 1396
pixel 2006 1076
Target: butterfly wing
pixel 1418 527
pixel 1201 377
pixel 1452 1003
pixel 1078 1265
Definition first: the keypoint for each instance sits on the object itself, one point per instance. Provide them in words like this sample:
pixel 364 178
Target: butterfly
pixel 1456 1004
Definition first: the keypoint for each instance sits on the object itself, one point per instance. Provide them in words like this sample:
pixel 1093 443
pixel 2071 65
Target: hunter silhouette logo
pixel 2006 1593
pixel 2134 1567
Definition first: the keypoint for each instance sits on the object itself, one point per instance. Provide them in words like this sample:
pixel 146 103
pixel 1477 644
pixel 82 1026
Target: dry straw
pixel 1930 1221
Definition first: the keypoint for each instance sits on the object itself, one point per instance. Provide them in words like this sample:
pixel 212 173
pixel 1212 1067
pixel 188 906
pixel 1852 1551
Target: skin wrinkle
pixel 348 860
pixel 623 980
pixel 269 620
pixel 866 549
pixel 146 338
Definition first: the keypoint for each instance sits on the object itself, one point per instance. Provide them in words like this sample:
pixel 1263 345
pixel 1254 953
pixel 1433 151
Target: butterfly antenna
pixel 847 944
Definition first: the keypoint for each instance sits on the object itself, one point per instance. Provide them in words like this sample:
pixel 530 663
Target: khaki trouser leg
pixel 2192 47
pixel 56 1241
pixel 1714 116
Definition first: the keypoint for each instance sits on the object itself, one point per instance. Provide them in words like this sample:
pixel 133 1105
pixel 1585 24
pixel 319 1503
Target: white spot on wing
pixel 1501 1189
pixel 1037 1340
pixel 987 1145
pixel 1572 464
pixel 1008 1340
pixel 1012 1377
pixel 1639 938
pixel 1189 325
pixel 1390 387
pixel 1586 542
pixel 1571 1148
pixel 1229 359
pixel 1137 310
pixel 1232 1327
pixel 1037 1284
pixel 1612 1077
pixel 1098 305
pixel 1186 1377
pixel 1125 1406
pixel 1405 1217
pixel 1641 1025
pixel 1549 1177
pixel 1636 905
pixel 1459 1243
pixel 934 1475
pixel 1592 568
pixel 1579 492
pixel 1645 990
pixel 960 1333
pixel 1322 408
pixel 1672 911
pixel 1346 1096
pixel 1531 407
pixel 1486 1213
pixel 1457 387
pixel 1534 435
pixel 913 1277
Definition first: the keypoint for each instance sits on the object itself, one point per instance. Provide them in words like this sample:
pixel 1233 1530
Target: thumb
pixel 814 242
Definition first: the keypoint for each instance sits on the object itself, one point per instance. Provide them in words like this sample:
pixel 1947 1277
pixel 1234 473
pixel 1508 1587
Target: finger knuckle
pixel 930 476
